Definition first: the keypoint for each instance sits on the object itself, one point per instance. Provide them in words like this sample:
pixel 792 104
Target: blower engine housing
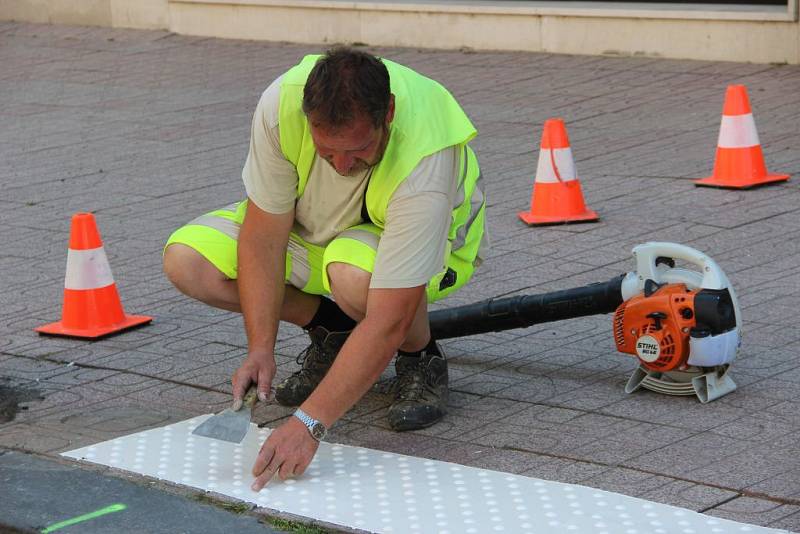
pixel 662 326
pixel 655 327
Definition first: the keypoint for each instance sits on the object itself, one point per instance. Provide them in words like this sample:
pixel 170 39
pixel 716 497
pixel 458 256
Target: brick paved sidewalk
pixel 149 129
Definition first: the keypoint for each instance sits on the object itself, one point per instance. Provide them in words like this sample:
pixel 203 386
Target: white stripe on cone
pixel 545 174
pixel 738 131
pixel 87 269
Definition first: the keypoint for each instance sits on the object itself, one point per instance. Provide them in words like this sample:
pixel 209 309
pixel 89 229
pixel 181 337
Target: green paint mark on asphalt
pixel 85 517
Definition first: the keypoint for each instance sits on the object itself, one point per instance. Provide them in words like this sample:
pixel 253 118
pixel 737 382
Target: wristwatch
pixel 315 428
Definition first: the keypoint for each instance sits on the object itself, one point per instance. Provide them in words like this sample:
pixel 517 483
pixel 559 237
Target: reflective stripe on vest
pixel 466 210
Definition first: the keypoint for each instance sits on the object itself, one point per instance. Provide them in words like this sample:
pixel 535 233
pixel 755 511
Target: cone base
pixel 540 220
pixel 58 328
pixel 711 181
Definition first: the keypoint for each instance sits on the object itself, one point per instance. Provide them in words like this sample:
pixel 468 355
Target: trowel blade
pixel 226 425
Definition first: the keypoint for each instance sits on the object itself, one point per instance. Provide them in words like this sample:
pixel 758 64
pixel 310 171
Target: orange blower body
pixel 655 327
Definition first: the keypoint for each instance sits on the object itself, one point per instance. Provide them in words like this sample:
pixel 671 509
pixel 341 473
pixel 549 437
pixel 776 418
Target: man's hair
pixel 344 84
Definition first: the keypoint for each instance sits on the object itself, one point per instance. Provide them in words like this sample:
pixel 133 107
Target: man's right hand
pixel 257 368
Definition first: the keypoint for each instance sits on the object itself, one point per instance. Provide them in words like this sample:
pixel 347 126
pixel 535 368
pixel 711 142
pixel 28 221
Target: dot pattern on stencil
pixel 382 492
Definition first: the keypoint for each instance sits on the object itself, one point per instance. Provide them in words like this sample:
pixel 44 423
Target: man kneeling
pixel 360 184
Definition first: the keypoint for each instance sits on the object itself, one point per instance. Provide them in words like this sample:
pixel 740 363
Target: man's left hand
pixel 286 452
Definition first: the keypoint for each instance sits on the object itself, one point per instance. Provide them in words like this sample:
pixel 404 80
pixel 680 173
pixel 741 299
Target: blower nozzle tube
pixel 497 314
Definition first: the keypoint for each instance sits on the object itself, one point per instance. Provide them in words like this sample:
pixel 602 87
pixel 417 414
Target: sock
pixel 430 348
pixel 331 317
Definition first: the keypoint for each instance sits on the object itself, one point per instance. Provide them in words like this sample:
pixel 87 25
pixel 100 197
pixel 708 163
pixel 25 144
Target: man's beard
pixel 361 165
pixel 357 168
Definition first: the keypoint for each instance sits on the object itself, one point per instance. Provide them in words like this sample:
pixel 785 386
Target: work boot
pixel 315 361
pixel 422 392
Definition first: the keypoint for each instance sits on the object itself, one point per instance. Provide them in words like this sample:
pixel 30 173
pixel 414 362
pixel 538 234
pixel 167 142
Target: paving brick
pixel 566 470
pixel 34 438
pixel 662 489
pixel 790 523
pixel 690 495
pixel 761 511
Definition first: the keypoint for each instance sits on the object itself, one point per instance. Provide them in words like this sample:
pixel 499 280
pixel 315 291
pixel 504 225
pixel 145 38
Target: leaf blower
pixel 682 323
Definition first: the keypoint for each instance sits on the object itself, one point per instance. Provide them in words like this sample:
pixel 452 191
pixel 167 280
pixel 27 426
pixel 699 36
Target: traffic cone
pixel 557 196
pixel 739 163
pixel 91 303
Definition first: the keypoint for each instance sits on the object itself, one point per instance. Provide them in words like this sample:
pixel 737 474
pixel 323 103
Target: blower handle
pixel 646 254
pixel 709 275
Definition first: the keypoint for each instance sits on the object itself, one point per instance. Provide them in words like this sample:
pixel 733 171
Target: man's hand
pixel 261 254
pixel 287 452
pixel 257 368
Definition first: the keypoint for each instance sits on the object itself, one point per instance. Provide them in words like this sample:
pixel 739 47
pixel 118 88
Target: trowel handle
pixel 250 397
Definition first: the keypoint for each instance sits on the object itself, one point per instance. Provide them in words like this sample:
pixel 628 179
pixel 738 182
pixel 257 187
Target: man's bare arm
pixel 368 350
pixel 262 263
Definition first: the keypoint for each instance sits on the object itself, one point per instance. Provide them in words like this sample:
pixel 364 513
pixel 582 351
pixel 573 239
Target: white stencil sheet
pixel 383 492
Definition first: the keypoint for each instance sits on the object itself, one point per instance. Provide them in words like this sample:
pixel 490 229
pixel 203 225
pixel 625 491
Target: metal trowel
pixel 229 425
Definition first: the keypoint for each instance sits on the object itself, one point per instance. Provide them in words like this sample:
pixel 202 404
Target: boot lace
pixel 413 384
pixel 311 360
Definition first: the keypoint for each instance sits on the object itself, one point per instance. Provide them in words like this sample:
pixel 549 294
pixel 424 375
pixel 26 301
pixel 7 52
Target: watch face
pixel 318 431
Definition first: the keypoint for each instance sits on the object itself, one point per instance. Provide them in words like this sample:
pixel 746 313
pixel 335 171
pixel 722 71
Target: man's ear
pixel 390 113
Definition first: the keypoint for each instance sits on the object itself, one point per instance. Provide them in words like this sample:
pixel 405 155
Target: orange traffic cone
pixel 557 196
pixel 91 304
pixel 739 163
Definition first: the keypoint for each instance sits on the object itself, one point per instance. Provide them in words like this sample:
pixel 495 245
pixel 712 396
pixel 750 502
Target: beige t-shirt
pixel 412 248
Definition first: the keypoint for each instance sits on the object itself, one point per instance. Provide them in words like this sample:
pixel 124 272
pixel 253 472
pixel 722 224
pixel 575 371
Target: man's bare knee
pixel 196 277
pixel 349 285
pixel 175 259
pixel 188 270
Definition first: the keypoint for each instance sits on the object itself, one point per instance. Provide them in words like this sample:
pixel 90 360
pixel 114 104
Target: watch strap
pixel 315 428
